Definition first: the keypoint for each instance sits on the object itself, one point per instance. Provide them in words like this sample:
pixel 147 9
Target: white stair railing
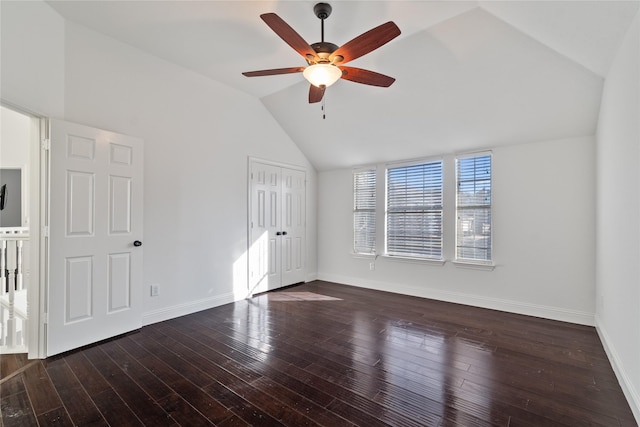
pixel 13 308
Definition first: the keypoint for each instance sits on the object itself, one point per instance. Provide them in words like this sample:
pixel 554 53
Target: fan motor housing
pixel 324 47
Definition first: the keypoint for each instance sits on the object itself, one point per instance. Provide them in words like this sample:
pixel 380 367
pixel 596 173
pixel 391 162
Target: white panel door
pixel 293 226
pixel 277 227
pixel 265 242
pixel 95 269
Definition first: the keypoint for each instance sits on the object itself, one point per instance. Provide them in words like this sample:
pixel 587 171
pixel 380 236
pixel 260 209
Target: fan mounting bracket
pixel 322 10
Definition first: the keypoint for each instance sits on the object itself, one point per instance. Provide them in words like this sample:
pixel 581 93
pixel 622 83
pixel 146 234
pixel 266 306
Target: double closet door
pixel 276 227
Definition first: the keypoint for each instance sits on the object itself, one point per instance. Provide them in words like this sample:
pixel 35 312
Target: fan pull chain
pixel 324 110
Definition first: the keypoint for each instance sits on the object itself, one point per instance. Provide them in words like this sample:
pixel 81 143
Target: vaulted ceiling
pixel 470 75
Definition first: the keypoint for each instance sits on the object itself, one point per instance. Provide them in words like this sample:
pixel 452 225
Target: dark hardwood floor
pixel 330 355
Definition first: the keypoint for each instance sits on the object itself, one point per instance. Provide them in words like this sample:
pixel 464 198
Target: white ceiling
pixel 469 75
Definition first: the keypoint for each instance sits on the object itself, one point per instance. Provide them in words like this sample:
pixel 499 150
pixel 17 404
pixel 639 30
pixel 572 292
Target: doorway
pixel 19 232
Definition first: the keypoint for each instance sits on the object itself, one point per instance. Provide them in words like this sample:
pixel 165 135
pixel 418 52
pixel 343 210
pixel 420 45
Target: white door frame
pixel 38 195
pixel 39 237
pixel 250 161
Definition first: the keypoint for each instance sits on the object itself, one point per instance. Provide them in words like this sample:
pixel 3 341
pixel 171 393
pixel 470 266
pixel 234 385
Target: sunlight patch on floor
pixel 299 296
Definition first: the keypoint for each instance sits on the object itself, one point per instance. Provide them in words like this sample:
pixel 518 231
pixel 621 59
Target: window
pixel 473 208
pixel 414 210
pixel 364 211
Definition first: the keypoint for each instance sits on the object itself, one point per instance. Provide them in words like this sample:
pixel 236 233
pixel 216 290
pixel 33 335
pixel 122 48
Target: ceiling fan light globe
pixel 322 74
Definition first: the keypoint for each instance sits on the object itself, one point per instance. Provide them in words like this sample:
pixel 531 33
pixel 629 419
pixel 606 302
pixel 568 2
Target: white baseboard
pixel 632 395
pixel 311 277
pixel 546 312
pixel 172 312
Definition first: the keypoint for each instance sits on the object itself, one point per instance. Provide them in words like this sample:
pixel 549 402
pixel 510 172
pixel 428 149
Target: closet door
pixel 276 227
pixel 293 226
pixel 265 241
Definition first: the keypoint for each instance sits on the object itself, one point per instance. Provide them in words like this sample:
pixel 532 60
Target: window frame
pixel 458 259
pixel 356 210
pixel 439 258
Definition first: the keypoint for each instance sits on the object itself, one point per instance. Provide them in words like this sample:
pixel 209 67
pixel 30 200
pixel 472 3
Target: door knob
pixel 137 243
pixel 284 233
pixel 278 233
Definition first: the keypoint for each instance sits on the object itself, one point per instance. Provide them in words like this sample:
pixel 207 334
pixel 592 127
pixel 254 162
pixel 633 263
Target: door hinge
pixel 45 231
pixel 45 318
pixel 46 144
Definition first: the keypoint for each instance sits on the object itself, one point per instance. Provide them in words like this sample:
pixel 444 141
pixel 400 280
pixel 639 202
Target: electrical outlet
pixel 372 266
pixel 155 290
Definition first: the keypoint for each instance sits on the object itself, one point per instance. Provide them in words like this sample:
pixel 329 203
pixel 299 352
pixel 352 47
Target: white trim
pixel 486 266
pixel 468 154
pixel 466 262
pixel 385 189
pixel 364 168
pixel 412 162
pixel 362 255
pixel 41 221
pixel 632 395
pixel 36 208
pixel 528 309
pixel 186 308
pixel 252 160
pixel 311 277
pixel 356 171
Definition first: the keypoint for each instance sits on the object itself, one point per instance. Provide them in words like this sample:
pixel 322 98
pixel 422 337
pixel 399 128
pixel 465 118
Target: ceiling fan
pixel 326 60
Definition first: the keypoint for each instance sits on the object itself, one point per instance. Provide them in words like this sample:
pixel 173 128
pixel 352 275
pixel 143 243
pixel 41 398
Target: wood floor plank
pixel 115 410
pixel 12 386
pixel 162 363
pixel 151 384
pixel 300 403
pixel 74 398
pixel 43 396
pixel 241 407
pixel 272 405
pixel 183 413
pixel 16 410
pixel 8 364
pixel 322 354
pixel 92 381
pixel 56 417
pixel 145 408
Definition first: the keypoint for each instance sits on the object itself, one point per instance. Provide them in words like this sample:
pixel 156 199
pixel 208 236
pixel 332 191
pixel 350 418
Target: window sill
pixel 475 265
pixel 413 260
pixel 363 256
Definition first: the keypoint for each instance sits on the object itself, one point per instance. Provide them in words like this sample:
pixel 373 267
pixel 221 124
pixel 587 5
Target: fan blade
pixel 366 77
pixel 273 72
pixel 288 34
pixel 316 93
pixel 366 42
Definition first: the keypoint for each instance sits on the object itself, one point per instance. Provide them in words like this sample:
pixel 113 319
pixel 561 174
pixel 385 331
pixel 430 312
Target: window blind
pixel 473 208
pixel 414 210
pixel 364 211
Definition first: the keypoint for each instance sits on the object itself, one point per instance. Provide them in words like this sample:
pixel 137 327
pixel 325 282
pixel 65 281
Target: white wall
pixel 32 60
pixel 618 213
pixel 15 139
pixel 15 134
pixel 198 136
pixel 543 222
